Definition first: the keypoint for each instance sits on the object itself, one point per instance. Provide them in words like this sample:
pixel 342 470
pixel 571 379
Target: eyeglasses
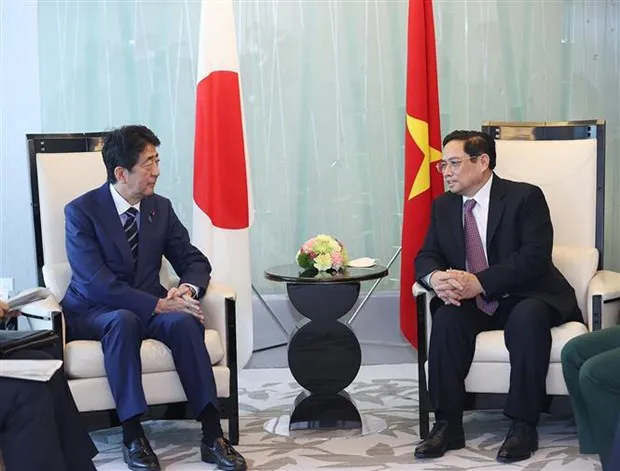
pixel 454 163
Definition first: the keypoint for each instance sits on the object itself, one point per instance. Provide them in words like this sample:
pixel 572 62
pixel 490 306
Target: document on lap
pixel 31 370
pixel 27 297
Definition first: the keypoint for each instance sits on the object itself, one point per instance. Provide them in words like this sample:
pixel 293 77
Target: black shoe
pixel 521 443
pixel 222 454
pixel 443 437
pixel 140 456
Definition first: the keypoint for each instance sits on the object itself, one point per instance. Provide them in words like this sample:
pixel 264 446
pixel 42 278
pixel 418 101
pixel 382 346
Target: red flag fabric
pixel 220 180
pixel 422 150
pixel 222 210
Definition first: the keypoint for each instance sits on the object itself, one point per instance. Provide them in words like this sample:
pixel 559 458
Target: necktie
pixel 131 231
pixel 474 254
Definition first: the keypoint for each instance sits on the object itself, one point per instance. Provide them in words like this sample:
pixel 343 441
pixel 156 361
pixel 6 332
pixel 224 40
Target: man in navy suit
pixel 116 236
pixel 487 256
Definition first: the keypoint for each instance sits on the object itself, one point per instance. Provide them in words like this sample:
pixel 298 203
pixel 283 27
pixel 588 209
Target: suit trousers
pixel 121 333
pixel 527 326
pixel 590 364
pixel 40 426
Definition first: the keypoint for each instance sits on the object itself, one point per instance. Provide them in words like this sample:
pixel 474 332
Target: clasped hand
pixel 5 311
pixel 452 286
pixel 180 300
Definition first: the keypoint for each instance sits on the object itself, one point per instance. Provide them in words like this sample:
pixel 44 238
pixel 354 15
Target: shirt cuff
pixel 427 279
pixel 193 288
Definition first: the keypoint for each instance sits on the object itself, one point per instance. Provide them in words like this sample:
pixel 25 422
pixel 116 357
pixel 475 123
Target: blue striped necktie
pixel 131 231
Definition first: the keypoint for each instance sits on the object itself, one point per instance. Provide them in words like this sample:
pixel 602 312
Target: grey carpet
pixel 387 392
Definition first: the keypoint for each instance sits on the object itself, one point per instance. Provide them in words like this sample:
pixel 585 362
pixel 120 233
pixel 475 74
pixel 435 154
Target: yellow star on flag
pixel 418 130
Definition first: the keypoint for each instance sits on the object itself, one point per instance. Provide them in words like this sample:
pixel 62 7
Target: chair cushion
pixel 490 346
pixel 84 358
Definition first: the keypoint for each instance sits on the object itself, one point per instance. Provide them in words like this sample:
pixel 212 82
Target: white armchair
pixel 62 168
pixel 567 161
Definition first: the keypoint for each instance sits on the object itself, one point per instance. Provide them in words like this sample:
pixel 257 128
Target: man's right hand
pixel 446 287
pixel 180 304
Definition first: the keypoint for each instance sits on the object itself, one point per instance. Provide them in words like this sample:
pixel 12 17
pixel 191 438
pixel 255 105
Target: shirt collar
pixel 483 196
pixel 121 204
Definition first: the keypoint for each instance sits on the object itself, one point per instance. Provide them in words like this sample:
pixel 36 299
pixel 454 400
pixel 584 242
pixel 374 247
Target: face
pixel 139 182
pixel 463 174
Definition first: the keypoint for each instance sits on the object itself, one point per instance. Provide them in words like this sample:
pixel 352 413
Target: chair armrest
pixel 425 295
pixel 213 304
pixel 604 295
pixel 419 289
pixel 46 310
pixel 173 281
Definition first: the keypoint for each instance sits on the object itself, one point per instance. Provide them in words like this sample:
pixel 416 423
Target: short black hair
pixel 122 147
pixel 475 143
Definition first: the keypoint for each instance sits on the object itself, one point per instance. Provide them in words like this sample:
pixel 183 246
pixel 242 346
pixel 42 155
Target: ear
pixel 121 174
pixel 485 159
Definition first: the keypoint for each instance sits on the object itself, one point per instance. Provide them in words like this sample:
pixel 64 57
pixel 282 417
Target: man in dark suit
pixel 40 426
pixel 116 236
pixel 487 256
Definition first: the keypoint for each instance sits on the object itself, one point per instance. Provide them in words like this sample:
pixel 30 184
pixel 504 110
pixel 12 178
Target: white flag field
pixel 223 210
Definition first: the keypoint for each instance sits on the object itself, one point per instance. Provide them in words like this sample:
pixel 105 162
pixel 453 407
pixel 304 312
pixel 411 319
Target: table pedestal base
pixel 324 411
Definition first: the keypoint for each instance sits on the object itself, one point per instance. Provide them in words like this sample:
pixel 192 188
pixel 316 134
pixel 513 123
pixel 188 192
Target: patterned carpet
pixel 386 392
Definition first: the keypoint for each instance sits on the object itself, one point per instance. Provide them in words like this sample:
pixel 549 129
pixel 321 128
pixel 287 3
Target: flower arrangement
pixel 323 253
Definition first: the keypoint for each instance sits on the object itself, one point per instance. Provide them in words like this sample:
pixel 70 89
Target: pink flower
pixel 337 260
pixel 307 247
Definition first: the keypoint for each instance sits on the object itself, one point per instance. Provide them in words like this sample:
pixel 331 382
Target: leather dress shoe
pixel 222 454
pixel 521 443
pixel 444 436
pixel 140 456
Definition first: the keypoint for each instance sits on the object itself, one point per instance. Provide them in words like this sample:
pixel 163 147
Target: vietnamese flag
pixel 223 210
pixel 422 150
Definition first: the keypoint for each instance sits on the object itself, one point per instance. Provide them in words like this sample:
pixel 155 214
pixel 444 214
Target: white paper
pixel 363 262
pixel 32 370
pixel 26 297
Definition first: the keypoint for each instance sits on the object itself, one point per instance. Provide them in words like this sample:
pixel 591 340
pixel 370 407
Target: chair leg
pixel 424 405
pixel 424 421
pixel 233 419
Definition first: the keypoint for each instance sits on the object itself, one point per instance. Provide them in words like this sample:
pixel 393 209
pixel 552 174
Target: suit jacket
pixel 519 244
pixel 103 275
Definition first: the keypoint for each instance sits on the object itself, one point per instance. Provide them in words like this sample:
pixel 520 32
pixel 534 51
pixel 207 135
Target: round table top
pixel 292 273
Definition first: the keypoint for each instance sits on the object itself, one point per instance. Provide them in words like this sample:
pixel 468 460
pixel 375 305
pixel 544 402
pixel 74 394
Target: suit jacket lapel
pixel 112 223
pixel 496 209
pixel 456 226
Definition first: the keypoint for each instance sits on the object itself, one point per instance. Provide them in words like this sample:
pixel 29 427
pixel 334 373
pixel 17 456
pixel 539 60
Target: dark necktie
pixel 474 254
pixel 131 231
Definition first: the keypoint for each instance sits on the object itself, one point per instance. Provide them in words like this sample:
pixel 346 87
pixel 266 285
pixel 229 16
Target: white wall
pixel 19 114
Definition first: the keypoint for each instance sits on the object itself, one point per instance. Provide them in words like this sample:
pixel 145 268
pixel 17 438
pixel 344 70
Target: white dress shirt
pixel 122 206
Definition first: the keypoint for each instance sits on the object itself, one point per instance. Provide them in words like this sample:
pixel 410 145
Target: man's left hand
pixel 470 283
pixel 180 291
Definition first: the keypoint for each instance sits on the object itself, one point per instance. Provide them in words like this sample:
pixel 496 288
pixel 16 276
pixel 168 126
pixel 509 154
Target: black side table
pixel 324 354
